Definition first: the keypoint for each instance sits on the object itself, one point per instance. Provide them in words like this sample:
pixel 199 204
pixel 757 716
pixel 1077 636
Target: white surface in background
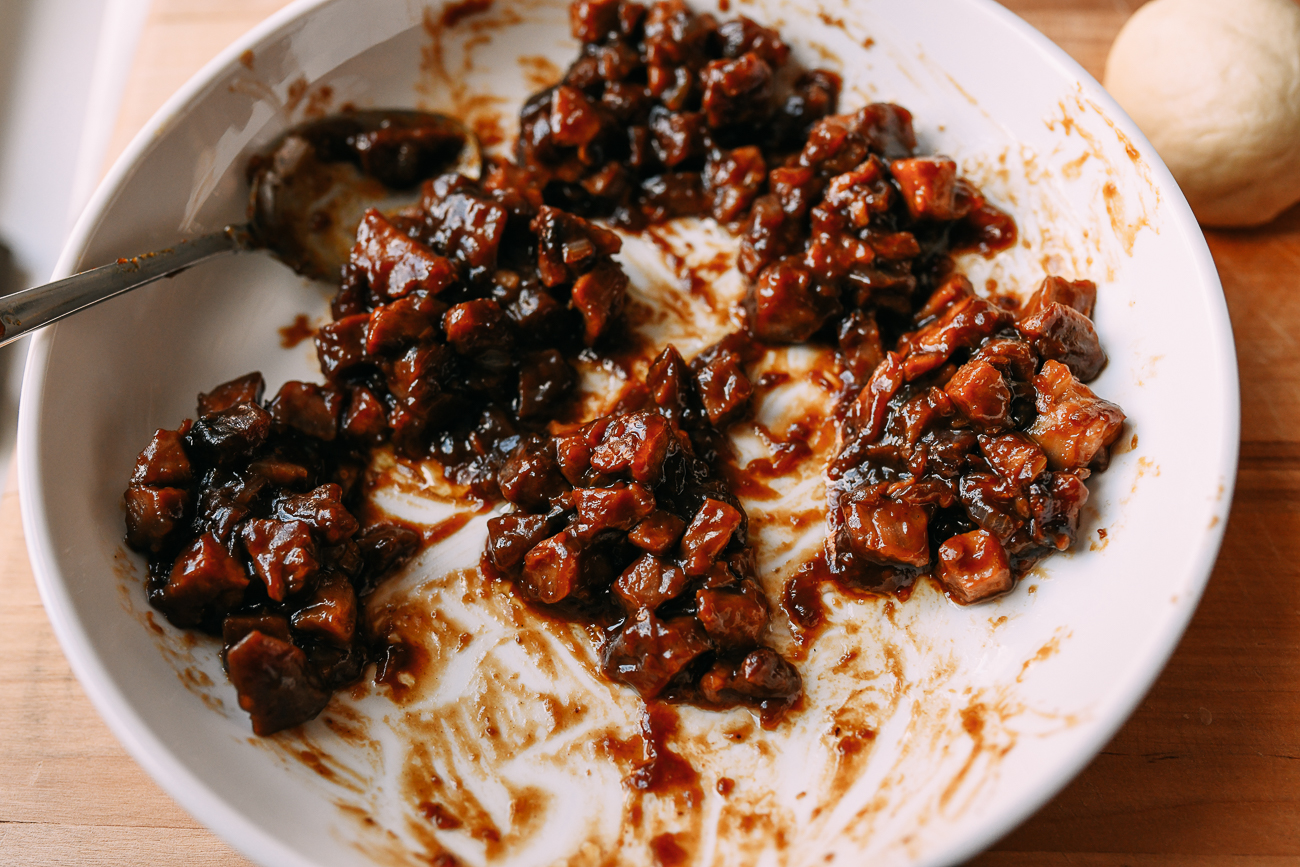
pixel 63 68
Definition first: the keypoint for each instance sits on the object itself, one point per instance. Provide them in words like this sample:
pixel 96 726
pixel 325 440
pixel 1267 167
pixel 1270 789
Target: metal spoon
pixel 309 192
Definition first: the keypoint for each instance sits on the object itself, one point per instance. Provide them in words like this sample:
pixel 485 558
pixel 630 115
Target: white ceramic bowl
pixel 993 709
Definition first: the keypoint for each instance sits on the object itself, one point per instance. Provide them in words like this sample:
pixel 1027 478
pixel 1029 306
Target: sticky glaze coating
pixel 966 430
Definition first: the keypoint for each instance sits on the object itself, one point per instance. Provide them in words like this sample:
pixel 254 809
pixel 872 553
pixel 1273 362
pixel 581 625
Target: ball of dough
pixel 1215 85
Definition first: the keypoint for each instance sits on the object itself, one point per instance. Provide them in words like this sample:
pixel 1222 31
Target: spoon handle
pixel 25 311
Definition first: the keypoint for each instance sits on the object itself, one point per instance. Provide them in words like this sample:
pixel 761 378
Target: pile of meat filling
pixel 247 517
pixel 456 321
pixel 622 522
pixel 453 326
pixel 967 432
pixel 666 113
pixel 966 452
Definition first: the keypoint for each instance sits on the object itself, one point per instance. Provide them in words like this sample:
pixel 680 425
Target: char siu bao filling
pixel 967 431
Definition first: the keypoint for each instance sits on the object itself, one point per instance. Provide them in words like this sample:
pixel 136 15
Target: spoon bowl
pixel 309 191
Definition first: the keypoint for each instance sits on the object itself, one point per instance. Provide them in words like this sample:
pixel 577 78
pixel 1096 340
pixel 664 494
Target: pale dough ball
pixel 1215 85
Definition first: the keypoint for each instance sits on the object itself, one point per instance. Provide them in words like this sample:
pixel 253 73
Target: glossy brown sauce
pixel 667 851
pixel 801 598
pixel 446 528
pixel 663 771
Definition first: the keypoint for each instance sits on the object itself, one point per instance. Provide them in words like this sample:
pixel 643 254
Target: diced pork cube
pixel 1016 359
pixel 152 515
pixel 236 626
pixel 573 455
pixel 732 179
pixel 386 546
pixel 893 246
pixel 478 326
pixel 231 435
pixel 512 536
pixel 741 35
pixel 648 583
pixel 244 389
pixel 1063 334
pixel 593 20
pixel 724 388
pixel 930 188
pixel 394 326
pixel 973 567
pixel 861 193
pixel 735 620
pixel 1055 501
pixel 619 507
pixel 310 408
pixel 786 306
pixel 649 652
pixel 761 677
pixel 834 146
pixel 1079 294
pixel 469 223
pixel 396 264
pixel 598 296
pixel 962 325
pixel 321 509
pixel 980 393
pixel 887 129
pixel 530 477
pixel 274 683
pixel 659 533
pixel 553 568
pixel 574 121
pixel 282 553
pixel 341 345
pixel 670 382
pixel 569 245
pixel 366 419
pixel 708 535
pixel 204 579
pixel 1073 424
pixel 1014 456
pixel 885 532
pixel 330 612
pixel 637 443
pixel 677 136
pixel 674 33
pixel 736 91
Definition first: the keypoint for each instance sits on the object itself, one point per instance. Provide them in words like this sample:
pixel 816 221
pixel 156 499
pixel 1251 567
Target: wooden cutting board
pixel 1207 772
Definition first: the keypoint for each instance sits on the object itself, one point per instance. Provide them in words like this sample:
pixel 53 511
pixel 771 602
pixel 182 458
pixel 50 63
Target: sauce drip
pixel 663 771
pixel 296 332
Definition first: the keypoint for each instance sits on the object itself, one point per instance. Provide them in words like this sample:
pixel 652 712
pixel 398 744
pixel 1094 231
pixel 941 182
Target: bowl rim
pixel 192 793
pixel 189 790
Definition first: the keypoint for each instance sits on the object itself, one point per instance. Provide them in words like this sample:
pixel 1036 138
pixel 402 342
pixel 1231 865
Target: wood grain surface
pixel 1207 771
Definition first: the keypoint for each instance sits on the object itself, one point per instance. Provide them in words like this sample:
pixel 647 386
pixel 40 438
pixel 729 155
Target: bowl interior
pixel 999 705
